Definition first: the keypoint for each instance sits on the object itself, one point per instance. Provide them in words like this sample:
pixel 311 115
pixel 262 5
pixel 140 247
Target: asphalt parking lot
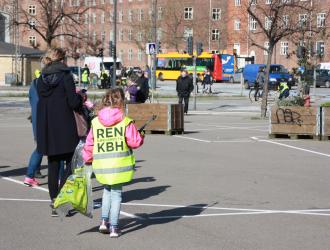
pixel 221 185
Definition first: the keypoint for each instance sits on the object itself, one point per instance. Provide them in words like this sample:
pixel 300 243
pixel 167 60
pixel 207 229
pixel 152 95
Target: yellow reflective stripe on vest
pixel 113 170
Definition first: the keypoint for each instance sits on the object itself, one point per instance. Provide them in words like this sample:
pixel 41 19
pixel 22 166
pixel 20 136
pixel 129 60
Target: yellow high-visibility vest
pixel 84 76
pixel 283 86
pixel 113 160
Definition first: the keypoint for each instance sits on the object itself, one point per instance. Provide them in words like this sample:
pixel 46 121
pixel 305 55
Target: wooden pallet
pixel 169 120
pixel 325 137
pixel 294 136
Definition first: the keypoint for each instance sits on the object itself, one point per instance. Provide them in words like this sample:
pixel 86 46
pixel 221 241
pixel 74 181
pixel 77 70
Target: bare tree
pixel 277 20
pixel 55 19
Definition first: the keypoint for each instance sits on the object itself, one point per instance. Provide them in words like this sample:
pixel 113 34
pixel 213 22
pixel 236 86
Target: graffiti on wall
pixel 288 116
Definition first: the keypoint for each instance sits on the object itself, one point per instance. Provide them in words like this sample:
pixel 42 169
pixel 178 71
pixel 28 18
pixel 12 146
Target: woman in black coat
pixel 56 127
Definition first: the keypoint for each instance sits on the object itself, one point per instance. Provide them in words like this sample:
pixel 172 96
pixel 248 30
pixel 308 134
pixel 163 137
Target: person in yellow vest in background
pixel 109 147
pixel 37 73
pixel 284 89
pixel 85 76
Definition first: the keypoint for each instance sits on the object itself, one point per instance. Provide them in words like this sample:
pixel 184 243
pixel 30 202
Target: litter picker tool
pixel 154 117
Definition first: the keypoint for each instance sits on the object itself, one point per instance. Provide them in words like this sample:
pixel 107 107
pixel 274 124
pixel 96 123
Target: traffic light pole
pixel 114 67
pixel 154 55
pixel 195 82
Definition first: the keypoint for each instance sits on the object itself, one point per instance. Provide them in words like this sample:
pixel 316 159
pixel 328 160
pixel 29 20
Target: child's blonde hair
pixel 114 98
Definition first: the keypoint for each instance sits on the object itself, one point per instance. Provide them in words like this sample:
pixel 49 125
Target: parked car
pixel 237 76
pixel 322 77
pixel 277 72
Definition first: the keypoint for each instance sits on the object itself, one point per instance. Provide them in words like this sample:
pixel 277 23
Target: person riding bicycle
pixel 259 81
pixel 284 89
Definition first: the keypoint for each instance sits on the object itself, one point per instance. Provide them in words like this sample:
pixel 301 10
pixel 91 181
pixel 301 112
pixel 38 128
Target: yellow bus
pixel 170 64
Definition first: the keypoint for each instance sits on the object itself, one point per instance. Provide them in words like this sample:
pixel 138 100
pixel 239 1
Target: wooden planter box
pixel 170 117
pixel 294 122
pixel 325 123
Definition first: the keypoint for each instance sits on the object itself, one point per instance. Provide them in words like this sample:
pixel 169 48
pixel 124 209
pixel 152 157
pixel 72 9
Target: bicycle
pixel 257 98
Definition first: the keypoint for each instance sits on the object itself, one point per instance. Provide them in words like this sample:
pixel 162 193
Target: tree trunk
pixel 264 102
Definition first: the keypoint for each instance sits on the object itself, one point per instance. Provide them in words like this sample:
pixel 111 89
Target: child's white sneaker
pixel 104 227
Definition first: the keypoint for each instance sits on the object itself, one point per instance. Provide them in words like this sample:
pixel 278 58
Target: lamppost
pixel 114 42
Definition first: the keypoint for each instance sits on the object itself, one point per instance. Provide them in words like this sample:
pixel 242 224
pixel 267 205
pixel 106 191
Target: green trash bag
pixel 77 191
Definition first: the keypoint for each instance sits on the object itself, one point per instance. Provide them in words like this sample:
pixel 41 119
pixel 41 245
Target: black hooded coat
pixel 56 126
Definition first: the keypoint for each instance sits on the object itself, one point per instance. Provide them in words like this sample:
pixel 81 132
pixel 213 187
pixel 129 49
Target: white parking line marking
pixel 293 147
pixel 22 183
pixel 46 190
pixel 29 200
pixel 191 138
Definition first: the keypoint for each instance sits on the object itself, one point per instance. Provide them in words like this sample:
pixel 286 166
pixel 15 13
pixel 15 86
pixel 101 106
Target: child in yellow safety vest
pixel 109 147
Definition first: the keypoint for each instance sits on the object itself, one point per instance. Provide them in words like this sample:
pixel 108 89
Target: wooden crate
pixel 170 117
pixel 325 123
pixel 294 122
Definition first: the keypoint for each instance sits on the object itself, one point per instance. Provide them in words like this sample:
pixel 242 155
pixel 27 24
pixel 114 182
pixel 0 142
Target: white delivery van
pixel 95 65
pixel 325 65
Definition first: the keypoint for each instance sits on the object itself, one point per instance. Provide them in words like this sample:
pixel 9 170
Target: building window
pixel 130 35
pixel 321 20
pixel 130 55
pixel 268 1
pixel 93 2
pixel 320 48
pixel 284 50
pixel 75 3
pixel 121 36
pixel 216 14
pixel 94 38
pixel 160 13
pixel 286 20
pixel 268 23
pixel 32 10
pixel 188 13
pixel 93 18
pixel 102 17
pixel 188 31
pixel 253 2
pixel 86 18
pixel 237 2
pixel 303 20
pixel 140 36
pixel 121 54
pixel 120 16
pixel 140 55
pixel 141 15
pixel 237 25
pixel 33 41
pixel 130 15
pixel 253 24
pixel 32 24
pixel 237 48
pixel 159 34
pixel 215 35
pixel 103 36
pixel 266 46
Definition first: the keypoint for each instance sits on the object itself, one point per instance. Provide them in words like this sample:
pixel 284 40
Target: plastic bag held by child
pixel 77 190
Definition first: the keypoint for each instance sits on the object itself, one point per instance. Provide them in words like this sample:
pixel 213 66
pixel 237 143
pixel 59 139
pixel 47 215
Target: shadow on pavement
pixel 140 194
pixel 129 225
pixel 16 171
pixel 134 181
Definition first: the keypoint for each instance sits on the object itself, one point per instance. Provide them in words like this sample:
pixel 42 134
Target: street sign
pixel 150 48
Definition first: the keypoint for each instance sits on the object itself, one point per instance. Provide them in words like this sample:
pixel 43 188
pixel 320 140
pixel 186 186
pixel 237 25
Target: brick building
pixel 242 29
pixel 206 20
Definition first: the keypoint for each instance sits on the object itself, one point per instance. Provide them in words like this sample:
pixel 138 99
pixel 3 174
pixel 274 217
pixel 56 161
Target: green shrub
pixel 291 101
pixel 325 104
